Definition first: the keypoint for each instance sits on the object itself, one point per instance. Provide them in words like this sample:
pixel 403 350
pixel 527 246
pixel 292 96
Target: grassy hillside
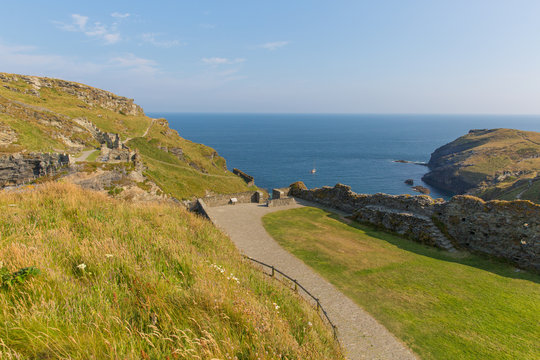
pixel 49 115
pixel 116 280
pixel 199 170
pixel 443 305
pixel 492 164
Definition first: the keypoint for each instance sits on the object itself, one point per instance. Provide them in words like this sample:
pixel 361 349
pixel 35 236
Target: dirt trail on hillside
pixel 361 336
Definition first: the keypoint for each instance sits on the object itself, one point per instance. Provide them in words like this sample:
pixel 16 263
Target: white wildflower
pixel 82 266
pixel 276 306
pixel 108 255
pixel 218 268
pixel 309 323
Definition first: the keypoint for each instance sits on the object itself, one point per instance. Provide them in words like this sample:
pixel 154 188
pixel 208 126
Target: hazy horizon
pixel 308 56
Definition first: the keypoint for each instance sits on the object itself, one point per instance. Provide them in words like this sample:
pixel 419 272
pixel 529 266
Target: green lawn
pixel 443 305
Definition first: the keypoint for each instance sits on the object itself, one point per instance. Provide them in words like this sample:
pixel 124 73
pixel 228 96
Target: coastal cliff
pixel 491 164
pixel 91 129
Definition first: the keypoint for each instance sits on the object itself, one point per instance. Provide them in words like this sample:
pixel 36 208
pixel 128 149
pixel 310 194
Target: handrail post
pixel 296 285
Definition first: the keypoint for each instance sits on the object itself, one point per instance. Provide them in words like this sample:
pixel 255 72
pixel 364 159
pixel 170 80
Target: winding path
pixel 360 334
pixel 84 155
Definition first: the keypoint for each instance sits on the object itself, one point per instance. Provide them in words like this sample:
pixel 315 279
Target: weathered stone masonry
pixel 505 229
pixel 250 181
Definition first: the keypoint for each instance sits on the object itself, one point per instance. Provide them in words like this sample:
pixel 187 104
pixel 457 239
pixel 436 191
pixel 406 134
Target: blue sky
pixel 340 56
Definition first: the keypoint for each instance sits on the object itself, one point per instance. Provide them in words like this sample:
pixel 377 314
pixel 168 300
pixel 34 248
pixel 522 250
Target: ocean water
pixel 357 150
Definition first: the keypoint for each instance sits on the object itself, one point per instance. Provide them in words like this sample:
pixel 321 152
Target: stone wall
pixel 280 193
pixel 281 202
pixel 250 180
pixel 505 229
pixel 200 205
pixel 341 197
pixel 21 168
pixel 243 197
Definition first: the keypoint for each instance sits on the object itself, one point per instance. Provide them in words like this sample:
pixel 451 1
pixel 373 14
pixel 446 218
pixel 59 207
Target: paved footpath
pixel 361 336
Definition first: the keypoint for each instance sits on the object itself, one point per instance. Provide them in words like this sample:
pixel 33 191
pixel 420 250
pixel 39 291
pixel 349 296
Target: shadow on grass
pixel 493 265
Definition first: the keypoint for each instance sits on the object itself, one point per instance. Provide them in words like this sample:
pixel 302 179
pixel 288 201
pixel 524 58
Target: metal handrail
pixel 296 286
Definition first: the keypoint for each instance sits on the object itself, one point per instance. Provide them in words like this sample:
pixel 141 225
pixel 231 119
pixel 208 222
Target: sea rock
pixel 409 182
pixel 421 189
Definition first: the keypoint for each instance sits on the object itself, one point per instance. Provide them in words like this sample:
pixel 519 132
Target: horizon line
pixel 337 113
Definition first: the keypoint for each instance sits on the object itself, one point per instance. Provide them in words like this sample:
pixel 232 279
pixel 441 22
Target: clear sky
pixel 334 56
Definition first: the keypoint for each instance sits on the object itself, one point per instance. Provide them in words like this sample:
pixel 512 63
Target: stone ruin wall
pixel 200 205
pixel 250 180
pixel 505 229
pixel 243 197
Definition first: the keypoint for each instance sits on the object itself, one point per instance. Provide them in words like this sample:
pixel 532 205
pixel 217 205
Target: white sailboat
pixel 314 170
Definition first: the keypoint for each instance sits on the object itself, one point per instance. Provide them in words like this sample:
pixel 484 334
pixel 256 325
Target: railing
pixel 297 285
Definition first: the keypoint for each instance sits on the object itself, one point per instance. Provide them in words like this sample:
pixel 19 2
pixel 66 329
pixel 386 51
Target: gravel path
pixel 84 155
pixel 360 334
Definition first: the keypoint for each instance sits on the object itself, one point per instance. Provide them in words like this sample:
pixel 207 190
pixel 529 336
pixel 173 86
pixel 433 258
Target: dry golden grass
pixel 130 281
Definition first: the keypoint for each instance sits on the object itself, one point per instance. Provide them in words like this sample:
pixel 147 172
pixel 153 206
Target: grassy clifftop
pixel 50 115
pixel 124 281
pixel 492 164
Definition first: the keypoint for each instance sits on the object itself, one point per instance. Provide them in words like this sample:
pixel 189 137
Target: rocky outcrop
pixel 91 96
pixel 484 158
pixel 421 189
pixel 176 151
pixel 18 169
pixel 57 126
pixel 505 229
pixel 7 135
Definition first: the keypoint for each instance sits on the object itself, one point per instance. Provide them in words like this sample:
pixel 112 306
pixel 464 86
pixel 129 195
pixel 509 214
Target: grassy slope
pixel 183 179
pixel 442 306
pixel 149 290
pixel 200 171
pixel 498 151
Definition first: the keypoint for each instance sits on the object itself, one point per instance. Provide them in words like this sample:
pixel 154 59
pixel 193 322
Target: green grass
pixel 40 123
pixel 483 156
pixel 93 156
pixel 177 178
pixel 32 136
pixel 443 305
pixel 61 102
pixel 85 276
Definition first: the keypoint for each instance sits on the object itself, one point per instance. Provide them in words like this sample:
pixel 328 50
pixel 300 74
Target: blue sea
pixel 357 150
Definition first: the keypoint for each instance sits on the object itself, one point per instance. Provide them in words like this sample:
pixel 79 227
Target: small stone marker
pixel 234 201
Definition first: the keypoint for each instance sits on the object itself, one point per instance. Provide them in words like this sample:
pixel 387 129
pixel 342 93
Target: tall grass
pixel 122 280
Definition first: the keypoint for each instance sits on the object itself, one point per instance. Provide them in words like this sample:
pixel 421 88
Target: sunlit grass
pixel 130 281
pixel 445 306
